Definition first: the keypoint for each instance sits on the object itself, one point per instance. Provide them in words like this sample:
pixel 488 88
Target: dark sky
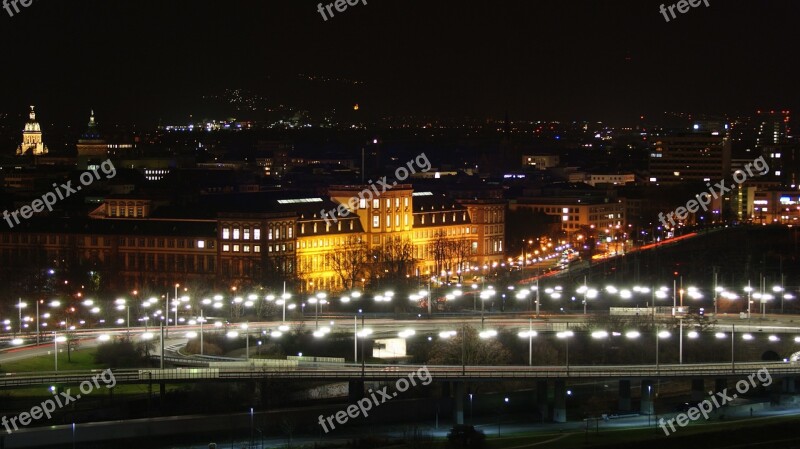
pixel 568 59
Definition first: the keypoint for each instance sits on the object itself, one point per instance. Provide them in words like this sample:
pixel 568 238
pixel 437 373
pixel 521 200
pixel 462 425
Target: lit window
pixel 256 248
pixel 388 203
pixel 405 202
pixel 376 221
pixel 291 231
pixel 269 234
pixel 246 248
pixel 397 202
pixel 226 248
pixel 247 234
pixel 236 233
pixel 226 233
pixel 376 204
pixel 236 248
pixel 257 234
pixel 201 244
pixel 362 203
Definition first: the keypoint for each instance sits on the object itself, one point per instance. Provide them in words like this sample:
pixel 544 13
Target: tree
pixel 120 354
pixel 349 263
pixel 72 343
pixel 395 259
pixel 468 348
pixel 441 250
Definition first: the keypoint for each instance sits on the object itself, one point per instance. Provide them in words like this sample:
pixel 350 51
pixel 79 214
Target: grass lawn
pixel 82 359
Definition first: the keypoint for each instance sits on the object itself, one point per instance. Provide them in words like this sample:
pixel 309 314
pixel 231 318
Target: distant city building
pixel 773 128
pixel 540 162
pixel 32 144
pixel 776 207
pixel 689 158
pixel 578 213
pixel 595 179
pixel 93 148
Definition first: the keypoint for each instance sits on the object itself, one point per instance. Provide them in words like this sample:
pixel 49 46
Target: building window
pixel 201 244
pixel 405 202
pixel 226 233
pixel 236 248
pixel 257 234
pixel 246 248
pixel 226 248
pixel 236 233
pixel 376 204
pixel 397 202
pixel 269 234
pixel 376 221
pixel 388 221
pixel 291 231
pixel 362 203
pixel 247 233
pixel 256 248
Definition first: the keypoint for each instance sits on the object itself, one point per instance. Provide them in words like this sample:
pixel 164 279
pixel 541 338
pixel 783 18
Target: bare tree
pixel 395 258
pixel 350 261
pixel 462 253
pixel 441 250
pixel 468 348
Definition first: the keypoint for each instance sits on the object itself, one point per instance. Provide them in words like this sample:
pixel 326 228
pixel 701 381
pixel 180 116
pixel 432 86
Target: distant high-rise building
pixel 32 143
pixel 773 128
pixel 691 157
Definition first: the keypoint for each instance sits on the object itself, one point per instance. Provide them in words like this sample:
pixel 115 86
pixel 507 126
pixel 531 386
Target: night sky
pixel 140 61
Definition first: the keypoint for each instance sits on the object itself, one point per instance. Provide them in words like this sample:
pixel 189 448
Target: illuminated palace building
pixel 264 238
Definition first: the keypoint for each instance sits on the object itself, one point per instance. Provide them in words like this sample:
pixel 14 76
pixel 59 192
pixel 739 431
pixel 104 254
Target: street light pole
pixel 530 342
pixel 284 301
pixel 733 353
pixel 355 338
pixel 37 322
pixel 19 306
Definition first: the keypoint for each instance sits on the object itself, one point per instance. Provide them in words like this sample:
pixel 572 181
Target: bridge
pixel 354 372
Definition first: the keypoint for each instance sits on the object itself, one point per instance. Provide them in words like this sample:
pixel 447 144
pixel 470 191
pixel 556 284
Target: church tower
pixel 92 149
pixel 32 143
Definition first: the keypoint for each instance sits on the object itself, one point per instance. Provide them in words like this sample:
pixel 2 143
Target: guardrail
pixel 390 372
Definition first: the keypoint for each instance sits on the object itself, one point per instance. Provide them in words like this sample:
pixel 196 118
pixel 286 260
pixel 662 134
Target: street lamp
pixel 245 328
pixel 122 304
pixel 57 339
pixel 566 335
pixel 529 334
